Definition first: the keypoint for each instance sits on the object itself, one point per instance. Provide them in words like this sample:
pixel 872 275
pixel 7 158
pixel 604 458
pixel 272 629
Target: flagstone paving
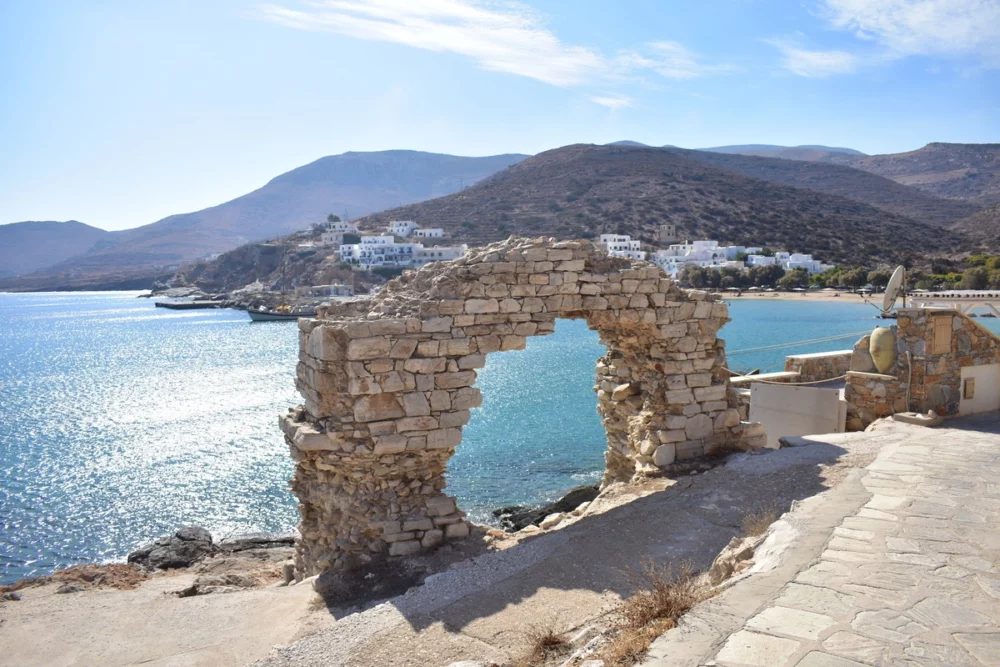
pixel 909 578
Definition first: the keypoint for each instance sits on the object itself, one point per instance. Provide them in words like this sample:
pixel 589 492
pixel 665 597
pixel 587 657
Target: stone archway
pixel 388 385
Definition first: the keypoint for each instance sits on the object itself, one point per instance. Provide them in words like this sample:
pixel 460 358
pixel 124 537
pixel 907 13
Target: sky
pixel 119 113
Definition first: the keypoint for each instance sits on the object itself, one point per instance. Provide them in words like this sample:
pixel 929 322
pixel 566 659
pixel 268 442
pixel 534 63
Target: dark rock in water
pixel 516 517
pixel 182 549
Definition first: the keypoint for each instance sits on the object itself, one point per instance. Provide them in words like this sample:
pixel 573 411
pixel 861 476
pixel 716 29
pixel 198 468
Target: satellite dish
pixel 894 288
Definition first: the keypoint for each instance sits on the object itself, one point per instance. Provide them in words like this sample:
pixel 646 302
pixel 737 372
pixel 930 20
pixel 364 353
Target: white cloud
pixel 923 27
pixel 613 102
pixel 814 64
pixel 503 37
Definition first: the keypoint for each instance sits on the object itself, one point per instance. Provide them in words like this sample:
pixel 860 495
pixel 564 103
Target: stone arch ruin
pixel 389 382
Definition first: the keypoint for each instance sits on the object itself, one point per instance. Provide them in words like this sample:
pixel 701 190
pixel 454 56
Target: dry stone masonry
pixel 389 383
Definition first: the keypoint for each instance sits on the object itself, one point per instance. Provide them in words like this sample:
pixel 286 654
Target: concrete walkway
pixel 907 575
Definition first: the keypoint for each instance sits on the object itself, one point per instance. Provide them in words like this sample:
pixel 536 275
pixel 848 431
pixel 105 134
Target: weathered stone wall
pixel 940 343
pixel 820 365
pixel 388 385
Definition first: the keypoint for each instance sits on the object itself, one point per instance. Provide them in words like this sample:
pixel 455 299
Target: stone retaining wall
pixel 820 365
pixel 388 386
pixel 939 343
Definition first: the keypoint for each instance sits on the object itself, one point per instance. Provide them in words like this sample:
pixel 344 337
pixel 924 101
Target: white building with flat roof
pixel 402 227
pixel 429 233
pixel 622 245
pixel 383 250
pixel 333 232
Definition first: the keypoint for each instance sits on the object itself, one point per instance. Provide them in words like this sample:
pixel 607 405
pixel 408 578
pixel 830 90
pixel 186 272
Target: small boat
pixel 278 315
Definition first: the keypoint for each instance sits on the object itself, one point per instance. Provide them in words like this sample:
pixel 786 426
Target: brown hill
pixel 957 171
pixel 843 181
pixel 983 226
pixel 583 190
pixel 29 246
pixel 349 184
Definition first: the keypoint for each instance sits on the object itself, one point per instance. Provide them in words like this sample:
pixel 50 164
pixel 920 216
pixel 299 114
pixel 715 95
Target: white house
pixel 622 245
pixel 429 233
pixel 383 250
pixel 333 232
pixel 402 227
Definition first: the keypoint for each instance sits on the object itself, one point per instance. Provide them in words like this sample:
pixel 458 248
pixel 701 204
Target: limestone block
pixel 440 505
pixel 623 391
pixel 707 393
pixel 308 438
pixel 427 365
pixel 403 349
pixel 440 400
pixel 391 382
pixel 703 309
pixel 477 306
pixel 526 329
pixel 698 427
pixel 701 380
pixel 512 343
pixel 397 537
pixel 450 307
pixel 456 347
pixel 465 398
pixel 456 530
pixel 436 325
pixel 422 523
pixel 472 361
pixel 377 407
pixel 363 385
pixel 416 442
pixel 424 423
pixel 675 422
pixel 384 327
pixel 368 348
pixel 665 454
pixel 427 348
pixel 538 279
pixel 647 447
pixel 407 548
pixel 487 344
pixel 445 438
pixel 456 418
pixel 380 365
pixel 389 444
pixel 510 306
pixel 727 419
pixel 665 437
pixel 679 397
pixel 560 255
pixel 455 380
pixel 415 404
pixel 432 538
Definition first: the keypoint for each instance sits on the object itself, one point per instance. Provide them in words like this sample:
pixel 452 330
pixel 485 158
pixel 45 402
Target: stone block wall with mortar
pixel 940 343
pixel 820 365
pixel 388 386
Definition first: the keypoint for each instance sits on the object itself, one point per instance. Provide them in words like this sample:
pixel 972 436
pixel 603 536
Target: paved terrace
pixel 896 566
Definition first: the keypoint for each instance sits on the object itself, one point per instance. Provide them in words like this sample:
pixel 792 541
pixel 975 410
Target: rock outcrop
pixel 182 549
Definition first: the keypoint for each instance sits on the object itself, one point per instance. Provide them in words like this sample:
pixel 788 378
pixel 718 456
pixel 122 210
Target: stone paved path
pixel 910 578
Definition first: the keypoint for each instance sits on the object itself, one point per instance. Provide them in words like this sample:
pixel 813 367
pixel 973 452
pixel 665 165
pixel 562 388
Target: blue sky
pixel 118 113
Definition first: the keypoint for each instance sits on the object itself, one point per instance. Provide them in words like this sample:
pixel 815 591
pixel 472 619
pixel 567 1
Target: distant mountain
pixel 843 181
pixel 352 184
pixel 584 190
pixel 957 171
pixel 29 246
pixel 626 142
pixel 810 153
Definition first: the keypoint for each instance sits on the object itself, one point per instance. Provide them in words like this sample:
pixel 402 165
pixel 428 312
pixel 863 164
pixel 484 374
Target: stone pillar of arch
pixel 389 383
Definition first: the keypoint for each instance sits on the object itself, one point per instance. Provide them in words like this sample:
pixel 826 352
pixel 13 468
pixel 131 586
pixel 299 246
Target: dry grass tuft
pixel 544 646
pixel 662 597
pixel 759 520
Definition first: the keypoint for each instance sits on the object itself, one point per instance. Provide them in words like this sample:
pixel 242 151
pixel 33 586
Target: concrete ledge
pixel 817 355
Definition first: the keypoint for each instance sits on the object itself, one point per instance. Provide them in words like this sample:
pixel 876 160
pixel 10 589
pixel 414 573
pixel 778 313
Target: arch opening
pixel 388 385
pixel 537 434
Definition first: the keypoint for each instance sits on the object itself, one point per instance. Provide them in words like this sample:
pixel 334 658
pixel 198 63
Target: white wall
pixel 987 393
pixel 788 410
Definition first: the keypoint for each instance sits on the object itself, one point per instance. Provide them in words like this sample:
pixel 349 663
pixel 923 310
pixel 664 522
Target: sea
pixel 120 422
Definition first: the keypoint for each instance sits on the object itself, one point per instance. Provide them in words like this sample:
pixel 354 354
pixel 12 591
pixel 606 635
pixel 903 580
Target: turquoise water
pixel 120 421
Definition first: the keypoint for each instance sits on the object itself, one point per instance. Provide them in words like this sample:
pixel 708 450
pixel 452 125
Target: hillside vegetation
pixel 582 191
